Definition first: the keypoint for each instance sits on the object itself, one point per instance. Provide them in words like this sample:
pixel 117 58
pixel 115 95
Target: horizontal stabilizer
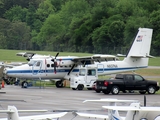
pixel 121 55
pixel 92 115
pixel 150 56
pixel 142 56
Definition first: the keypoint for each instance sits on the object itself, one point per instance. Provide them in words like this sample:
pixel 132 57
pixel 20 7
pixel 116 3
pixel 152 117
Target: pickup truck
pixel 123 82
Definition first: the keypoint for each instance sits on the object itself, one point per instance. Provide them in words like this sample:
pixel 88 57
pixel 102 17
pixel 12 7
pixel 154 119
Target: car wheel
pixel 115 90
pixel 80 87
pixel 97 91
pixel 151 90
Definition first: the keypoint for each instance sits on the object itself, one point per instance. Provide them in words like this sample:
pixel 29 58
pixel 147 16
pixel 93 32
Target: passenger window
pixel 48 65
pixel 129 77
pixel 138 78
pixel 52 65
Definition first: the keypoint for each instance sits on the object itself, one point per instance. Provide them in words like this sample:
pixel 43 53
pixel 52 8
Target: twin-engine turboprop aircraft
pixel 48 67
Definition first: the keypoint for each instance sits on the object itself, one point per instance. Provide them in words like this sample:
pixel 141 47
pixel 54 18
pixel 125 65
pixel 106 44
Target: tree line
pixel 94 26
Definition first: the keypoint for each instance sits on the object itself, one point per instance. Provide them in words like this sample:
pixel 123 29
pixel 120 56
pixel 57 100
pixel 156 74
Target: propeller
pixel 55 62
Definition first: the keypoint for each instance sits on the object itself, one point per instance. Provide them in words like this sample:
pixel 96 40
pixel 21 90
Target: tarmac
pixel 63 99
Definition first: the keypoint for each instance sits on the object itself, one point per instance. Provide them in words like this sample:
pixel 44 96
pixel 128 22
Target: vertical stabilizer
pixel 139 52
pixel 13 113
pixel 113 114
pixel 133 114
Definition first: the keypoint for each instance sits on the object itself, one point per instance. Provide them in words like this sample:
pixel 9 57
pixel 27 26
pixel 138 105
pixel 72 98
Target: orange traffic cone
pixel 2 83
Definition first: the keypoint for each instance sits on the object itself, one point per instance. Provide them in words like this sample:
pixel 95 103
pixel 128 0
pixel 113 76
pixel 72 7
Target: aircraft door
pixel 100 68
pixel 36 68
pixel 129 82
pixel 140 83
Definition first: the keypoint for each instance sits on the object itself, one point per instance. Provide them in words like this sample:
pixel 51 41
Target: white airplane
pixel 61 68
pixel 134 112
pixel 12 113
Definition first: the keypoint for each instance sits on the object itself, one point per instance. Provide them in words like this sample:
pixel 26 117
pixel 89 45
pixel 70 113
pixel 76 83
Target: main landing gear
pixel 24 84
pixel 59 84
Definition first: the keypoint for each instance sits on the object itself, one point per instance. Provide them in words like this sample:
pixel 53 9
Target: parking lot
pixel 34 98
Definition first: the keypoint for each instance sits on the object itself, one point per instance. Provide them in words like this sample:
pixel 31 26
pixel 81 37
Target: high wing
pixel 13 114
pixel 110 100
pixel 85 60
pixel 129 108
pixel 40 117
pixel 93 115
pixel 25 54
pixel 94 58
pixel 43 117
pixel 31 55
pixel 12 64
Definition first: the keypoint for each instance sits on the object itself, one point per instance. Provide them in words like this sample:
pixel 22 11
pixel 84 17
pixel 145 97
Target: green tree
pixel 16 13
pixel 50 32
pixel 19 36
pixel 155 22
pixel 44 10
pixel 116 33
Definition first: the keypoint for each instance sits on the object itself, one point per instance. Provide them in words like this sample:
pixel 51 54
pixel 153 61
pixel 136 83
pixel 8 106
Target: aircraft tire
pixel 24 84
pixel 59 84
pixel 80 87
pixel 151 90
pixel 115 90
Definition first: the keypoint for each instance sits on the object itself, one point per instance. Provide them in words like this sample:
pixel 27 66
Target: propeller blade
pixel 71 69
pixel 56 55
pixel 55 62
pixel 55 65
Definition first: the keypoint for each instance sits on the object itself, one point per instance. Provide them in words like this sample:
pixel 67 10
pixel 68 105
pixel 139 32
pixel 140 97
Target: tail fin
pixel 140 50
pixel 13 113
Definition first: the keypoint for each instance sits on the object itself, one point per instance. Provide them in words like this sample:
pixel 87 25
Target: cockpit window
pixel 38 63
pixel 31 63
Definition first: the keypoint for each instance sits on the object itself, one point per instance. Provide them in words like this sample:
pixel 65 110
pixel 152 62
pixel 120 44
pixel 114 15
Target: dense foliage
pixel 95 26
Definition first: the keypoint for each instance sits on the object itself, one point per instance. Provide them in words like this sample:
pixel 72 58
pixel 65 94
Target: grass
pixel 10 55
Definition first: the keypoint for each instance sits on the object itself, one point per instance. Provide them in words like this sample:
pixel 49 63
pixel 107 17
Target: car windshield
pixel 82 72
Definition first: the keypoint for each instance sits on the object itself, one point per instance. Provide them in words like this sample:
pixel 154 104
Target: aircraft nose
pixel 5 71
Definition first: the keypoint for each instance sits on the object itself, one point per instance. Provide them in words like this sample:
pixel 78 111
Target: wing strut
pixel 71 68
